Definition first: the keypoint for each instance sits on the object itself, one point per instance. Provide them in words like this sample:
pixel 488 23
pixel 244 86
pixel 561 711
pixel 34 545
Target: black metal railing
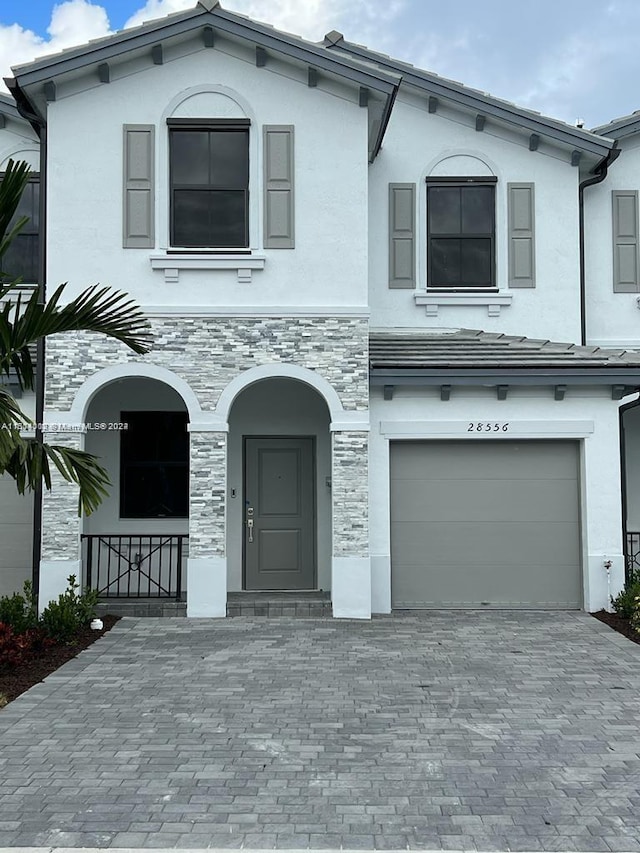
pixel 632 553
pixel 134 566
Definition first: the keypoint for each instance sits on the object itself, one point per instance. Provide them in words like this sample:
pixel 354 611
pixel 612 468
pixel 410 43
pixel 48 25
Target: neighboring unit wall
pixel 16 526
pixel 419 144
pixel 613 309
pixel 18 141
pixel 631 425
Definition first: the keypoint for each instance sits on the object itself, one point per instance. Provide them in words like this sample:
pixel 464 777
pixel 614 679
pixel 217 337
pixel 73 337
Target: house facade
pixel 381 362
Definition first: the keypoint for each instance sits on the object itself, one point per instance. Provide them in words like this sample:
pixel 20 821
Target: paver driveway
pixel 457 730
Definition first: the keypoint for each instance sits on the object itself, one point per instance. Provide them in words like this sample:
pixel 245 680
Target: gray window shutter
pixel 625 241
pixel 402 236
pixel 522 249
pixel 279 209
pixel 138 213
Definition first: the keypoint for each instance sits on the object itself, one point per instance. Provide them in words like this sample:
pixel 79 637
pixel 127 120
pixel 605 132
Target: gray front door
pixel 279 529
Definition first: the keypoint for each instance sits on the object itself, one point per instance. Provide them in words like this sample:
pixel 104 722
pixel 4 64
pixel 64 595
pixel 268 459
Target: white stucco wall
pixel 328 266
pixel 613 319
pixel 18 141
pixel 418 144
pixel 590 417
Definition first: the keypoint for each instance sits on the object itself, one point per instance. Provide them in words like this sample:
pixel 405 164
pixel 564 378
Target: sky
pixel 570 59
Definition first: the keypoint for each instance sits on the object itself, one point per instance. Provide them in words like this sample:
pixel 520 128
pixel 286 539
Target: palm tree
pixel 22 322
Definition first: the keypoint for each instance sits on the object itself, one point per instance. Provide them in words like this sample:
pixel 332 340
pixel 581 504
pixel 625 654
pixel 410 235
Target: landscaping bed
pixel 618 623
pixel 15 680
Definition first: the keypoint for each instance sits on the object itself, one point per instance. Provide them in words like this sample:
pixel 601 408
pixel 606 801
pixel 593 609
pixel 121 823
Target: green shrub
pixel 19 610
pixel 624 602
pixel 62 619
pixel 635 615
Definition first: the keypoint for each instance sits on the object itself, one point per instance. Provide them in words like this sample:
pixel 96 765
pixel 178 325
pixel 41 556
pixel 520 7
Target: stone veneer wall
pixel 350 493
pixel 208 489
pixel 208 352
pixel 60 509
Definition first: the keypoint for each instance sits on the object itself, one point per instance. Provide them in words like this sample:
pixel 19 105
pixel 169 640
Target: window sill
pixel 492 301
pixel 171 265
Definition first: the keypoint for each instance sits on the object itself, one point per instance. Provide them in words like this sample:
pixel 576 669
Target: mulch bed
pixel 15 681
pixel 618 623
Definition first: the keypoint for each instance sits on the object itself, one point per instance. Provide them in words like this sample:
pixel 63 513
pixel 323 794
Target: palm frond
pixel 97 309
pixel 12 186
pixel 29 464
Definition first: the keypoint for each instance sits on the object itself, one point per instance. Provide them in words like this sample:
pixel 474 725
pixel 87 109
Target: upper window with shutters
pixel 214 191
pixel 457 248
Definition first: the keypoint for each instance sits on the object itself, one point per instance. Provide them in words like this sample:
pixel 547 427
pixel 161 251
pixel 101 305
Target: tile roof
pixel 468 348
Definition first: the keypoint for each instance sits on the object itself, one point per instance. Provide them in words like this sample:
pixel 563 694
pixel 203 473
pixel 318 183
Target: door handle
pixel 250 522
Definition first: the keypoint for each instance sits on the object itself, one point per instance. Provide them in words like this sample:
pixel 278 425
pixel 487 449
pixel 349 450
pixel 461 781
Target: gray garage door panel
pixel 494 500
pixel 462 460
pixel 502 530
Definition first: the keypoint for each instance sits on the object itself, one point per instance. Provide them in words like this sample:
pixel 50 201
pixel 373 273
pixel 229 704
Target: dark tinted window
pixel 154 465
pixel 461 235
pixel 22 258
pixel 209 187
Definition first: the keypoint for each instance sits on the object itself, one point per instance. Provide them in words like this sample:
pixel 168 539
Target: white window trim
pixel 173 263
pixel 493 302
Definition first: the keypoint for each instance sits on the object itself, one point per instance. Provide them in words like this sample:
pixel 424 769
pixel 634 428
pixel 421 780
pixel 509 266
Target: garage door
pixel 485 523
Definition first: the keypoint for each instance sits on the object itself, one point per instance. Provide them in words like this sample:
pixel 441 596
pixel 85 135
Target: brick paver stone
pixel 461 730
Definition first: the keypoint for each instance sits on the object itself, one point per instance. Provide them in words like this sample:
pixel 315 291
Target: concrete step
pixel 141 607
pixel 312 604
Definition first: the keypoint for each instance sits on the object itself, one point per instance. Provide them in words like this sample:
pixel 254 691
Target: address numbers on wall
pixel 488 426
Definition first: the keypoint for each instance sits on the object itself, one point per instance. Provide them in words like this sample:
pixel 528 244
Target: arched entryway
pixel 279 488
pixel 135 544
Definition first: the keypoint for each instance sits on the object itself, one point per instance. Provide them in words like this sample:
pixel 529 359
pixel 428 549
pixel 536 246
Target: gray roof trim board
pixel 148 34
pixel 621 127
pixel 471 357
pixel 475 100
pixel 8 107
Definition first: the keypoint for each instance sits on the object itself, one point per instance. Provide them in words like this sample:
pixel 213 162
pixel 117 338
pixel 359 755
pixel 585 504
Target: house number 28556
pixel 487 426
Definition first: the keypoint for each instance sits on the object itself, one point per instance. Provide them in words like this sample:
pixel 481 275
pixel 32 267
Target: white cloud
pixel 153 9
pixel 311 19
pixel 72 22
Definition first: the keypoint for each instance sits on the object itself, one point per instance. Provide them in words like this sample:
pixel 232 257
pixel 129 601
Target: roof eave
pixel 447 89
pixel 534 375
pixel 619 130
pixel 149 34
